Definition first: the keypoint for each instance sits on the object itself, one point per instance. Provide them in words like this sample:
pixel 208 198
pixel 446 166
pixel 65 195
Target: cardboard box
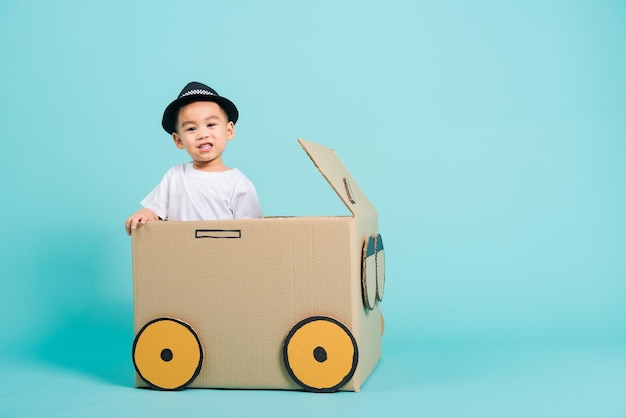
pixel 271 303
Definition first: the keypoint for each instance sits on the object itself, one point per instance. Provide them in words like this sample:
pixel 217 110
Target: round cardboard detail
pixel 167 354
pixel 380 268
pixel 320 354
pixel 368 273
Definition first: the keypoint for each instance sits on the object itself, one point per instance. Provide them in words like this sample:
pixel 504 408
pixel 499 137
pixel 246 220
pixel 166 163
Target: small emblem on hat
pixel 197 91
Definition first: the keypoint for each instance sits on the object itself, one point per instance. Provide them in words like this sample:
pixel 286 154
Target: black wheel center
pixel 320 354
pixel 166 354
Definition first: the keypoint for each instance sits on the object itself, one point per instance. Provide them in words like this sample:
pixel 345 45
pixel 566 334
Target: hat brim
pixel 171 111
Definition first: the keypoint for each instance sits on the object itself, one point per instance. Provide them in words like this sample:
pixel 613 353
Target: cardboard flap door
pixel 339 178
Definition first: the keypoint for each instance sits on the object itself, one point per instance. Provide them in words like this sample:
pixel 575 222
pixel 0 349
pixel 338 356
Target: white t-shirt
pixel 187 194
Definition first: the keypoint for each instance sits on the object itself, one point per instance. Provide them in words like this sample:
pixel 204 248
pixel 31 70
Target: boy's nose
pixel 203 132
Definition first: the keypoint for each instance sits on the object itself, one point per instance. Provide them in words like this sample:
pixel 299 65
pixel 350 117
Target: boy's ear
pixel 177 140
pixel 230 130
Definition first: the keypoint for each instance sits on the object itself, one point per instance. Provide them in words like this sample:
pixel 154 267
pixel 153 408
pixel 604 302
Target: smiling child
pixel 201 122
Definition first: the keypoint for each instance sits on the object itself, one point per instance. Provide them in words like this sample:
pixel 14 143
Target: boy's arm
pixel 245 202
pixel 246 205
pixel 140 217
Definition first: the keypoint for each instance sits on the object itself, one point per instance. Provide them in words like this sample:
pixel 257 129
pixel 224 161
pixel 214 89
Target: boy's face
pixel 202 130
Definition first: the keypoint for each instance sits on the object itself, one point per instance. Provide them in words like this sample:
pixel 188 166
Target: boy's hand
pixel 140 217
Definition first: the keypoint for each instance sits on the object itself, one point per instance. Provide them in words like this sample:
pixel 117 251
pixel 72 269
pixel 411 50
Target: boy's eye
pixel 210 125
pixel 190 129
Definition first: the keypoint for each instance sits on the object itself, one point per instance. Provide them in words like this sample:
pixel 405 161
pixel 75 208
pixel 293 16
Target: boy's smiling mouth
pixel 206 146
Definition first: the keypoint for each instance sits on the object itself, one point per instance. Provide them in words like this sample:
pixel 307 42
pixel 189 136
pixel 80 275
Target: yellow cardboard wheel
pixel 320 354
pixel 167 354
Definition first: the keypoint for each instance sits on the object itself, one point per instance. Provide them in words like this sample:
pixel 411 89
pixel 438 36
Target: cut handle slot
pixel 218 233
pixel 346 183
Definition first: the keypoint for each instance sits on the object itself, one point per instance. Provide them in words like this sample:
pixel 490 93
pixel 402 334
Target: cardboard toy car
pixel 270 303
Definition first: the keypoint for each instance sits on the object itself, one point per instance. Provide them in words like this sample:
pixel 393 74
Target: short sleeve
pixel 245 202
pixel 157 199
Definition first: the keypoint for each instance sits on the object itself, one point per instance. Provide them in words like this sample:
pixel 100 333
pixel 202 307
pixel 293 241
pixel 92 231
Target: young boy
pixel 201 122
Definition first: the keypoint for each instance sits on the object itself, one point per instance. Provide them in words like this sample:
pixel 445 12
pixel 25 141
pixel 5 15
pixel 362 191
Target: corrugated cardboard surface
pixel 243 284
pixel 366 224
pixel 339 178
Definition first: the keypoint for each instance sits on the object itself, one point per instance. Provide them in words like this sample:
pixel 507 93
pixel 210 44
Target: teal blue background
pixel 491 137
